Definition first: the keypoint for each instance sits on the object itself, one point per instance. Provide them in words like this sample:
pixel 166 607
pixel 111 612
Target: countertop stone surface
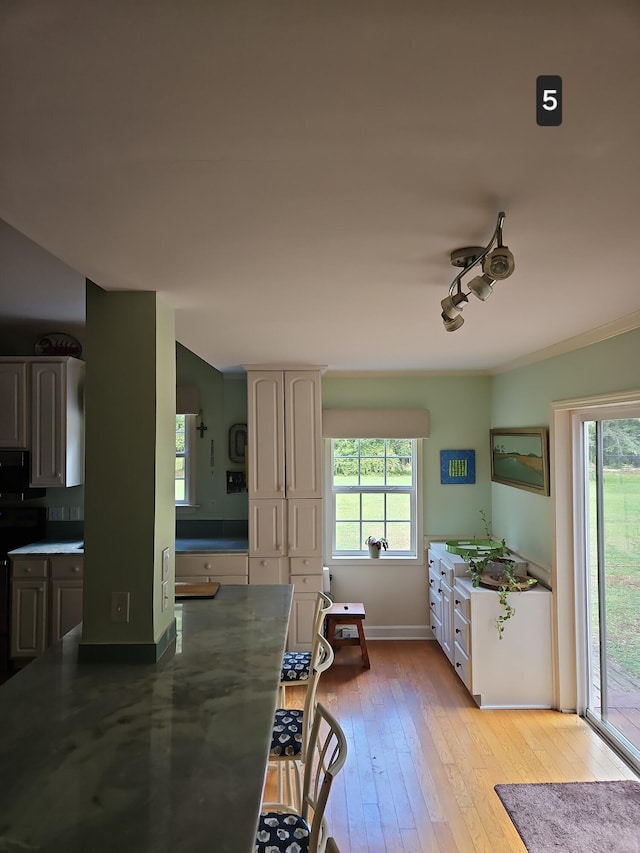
pixel 184 545
pixel 142 758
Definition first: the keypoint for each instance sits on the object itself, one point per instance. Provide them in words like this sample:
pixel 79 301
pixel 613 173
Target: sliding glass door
pixel 609 484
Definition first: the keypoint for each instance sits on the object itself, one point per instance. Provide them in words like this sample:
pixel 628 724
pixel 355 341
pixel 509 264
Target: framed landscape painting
pixel 520 458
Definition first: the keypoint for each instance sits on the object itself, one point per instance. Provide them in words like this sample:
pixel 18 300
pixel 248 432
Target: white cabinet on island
pixel 512 672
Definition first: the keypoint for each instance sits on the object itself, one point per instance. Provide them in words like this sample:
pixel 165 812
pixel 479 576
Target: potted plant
pixel 501 571
pixel 375 545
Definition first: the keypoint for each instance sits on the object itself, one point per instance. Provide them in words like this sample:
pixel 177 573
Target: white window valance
pixel 187 400
pixel 375 423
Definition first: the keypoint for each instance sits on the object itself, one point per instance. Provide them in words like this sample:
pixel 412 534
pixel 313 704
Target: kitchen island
pixel 162 758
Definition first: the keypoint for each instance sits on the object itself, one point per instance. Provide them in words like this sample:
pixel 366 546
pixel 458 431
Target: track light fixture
pixel 496 266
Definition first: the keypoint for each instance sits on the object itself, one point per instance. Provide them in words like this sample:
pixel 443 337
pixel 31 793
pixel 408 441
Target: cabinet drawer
pixel 446 572
pixel 306 583
pixel 462 665
pixel 436 627
pixel 67 567
pixel 461 631
pixel 212 564
pixel 306 565
pixel 29 568
pixel 462 602
pixel 435 604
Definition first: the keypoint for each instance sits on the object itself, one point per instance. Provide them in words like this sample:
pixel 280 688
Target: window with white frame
pixel 185 451
pixel 374 493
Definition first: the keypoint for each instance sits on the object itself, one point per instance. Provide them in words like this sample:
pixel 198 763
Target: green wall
pixel 223 403
pixel 523 397
pixel 459 409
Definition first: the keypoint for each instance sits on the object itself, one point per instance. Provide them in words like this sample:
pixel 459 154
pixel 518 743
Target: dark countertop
pixel 183 546
pixel 147 758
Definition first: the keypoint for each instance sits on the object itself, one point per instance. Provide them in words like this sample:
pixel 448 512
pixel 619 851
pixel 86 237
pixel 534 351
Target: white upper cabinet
pixel 57 431
pixel 41 410
pixel 266 434
pixel 285 431
pixel 303 434
pixel 14 406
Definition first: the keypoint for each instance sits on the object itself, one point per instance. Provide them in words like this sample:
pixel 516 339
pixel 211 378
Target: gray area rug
pixel 575 817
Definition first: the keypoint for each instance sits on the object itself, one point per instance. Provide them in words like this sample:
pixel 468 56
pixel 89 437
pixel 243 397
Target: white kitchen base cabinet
pixel 512 672
pixel 66 607
pixel 28 618
pixel 46 601
pixel 208 568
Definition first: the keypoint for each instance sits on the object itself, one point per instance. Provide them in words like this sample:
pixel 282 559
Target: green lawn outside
pixel 622 566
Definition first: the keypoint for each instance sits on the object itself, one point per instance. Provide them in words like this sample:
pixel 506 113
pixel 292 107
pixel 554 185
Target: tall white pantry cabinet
pixel 285 487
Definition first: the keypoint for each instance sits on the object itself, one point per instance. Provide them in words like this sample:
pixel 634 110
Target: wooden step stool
pixel 348 614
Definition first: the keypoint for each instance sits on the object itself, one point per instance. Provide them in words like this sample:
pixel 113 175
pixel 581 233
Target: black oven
pixel 18 526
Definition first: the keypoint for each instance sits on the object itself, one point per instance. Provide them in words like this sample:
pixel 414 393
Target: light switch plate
pixel 120 606
pixel 165 563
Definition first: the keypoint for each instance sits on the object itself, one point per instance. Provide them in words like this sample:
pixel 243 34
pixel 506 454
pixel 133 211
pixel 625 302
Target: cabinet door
pixel 265 449
pixel 303 433
pixel 303 609
pixel 304 528
pixel 28 618
pixel 48 436
pixel 268 570
pixel 66 607
pixel 266 528
pixel 13 405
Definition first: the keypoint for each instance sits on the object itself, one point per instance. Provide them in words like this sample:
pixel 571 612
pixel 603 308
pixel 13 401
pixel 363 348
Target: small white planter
pixel 374 552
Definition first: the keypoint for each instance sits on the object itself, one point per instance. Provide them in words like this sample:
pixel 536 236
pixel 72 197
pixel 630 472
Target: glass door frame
pixel 579 419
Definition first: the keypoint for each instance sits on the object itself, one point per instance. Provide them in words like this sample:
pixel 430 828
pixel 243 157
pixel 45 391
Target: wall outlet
pixel 165 594
pixel 56 513
pixel 165 564
pixel 120 606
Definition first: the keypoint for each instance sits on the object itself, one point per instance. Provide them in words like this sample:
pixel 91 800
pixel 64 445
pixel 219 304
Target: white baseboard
pixel 397 632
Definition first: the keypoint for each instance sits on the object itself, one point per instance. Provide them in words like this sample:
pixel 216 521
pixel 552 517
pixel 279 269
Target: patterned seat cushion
pixel 287 732
pixel 282 833
pixel 295 666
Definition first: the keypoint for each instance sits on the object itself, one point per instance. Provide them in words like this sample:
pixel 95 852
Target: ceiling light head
pixel 450 305
pixel 481 286
pixel 499 264
pixel 452 323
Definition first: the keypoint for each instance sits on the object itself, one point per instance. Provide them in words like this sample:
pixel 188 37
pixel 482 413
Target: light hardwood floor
pixel 423 758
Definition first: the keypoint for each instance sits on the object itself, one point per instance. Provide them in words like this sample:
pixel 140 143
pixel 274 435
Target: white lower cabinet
pixel 305 592
pixel 513 672
pixel 46 601
pixel 202 568
pixel 28 617
pixel 264 570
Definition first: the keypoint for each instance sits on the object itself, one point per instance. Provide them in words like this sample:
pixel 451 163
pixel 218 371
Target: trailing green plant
pixel 509 581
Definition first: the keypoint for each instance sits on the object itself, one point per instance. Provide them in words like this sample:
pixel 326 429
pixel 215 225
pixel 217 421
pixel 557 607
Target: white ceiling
pixel 292 175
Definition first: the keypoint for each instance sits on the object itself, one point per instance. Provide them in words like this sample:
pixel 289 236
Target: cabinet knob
pixel 305 562
pixel 28 570
pixel 442 573
pixel 263 562
pixel 457 601
pixel 457 630
pixel 430 562
pixel 207 565
pixel 439 589
pixel 76 569
pixel 458 665
pixel 305 580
